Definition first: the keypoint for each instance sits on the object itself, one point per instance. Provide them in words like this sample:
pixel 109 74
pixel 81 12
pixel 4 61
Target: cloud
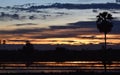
pixel 4 15
pixel 70 30
pixel 25 24
pixel 61 13
pixel 92 24
pixel 86 24
pixel 35 8
pixel 88 37
pixel 95 37
pixel 52 32
pixel 8 16
pixel 16 40
pixel 38 12
pixel 32 17
pixel 21 31
pixel 116 27
pixel 78 6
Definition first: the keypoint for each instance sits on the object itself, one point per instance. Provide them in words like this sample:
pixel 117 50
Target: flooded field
pixel 56 67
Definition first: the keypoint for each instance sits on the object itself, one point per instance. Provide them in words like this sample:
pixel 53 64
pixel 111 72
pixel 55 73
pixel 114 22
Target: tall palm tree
pixel 104 25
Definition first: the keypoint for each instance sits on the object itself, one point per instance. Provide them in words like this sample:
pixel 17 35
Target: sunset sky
pixel 20 22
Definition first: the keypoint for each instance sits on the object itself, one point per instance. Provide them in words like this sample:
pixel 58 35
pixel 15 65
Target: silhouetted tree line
pixel 70 73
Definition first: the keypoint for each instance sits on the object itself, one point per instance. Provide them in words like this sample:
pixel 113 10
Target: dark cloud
pixel 24 5
pixel 25 24
pixel 116 27
pixel 31 7
pixel 19 40
pixel 78 6
pixel 32 17
pixel 94 37
pixel 64 27
pixel 92 24
pixel 56 35
pixel 21 31
pixel 52 32
pixel 35 8
pixel 8 16
pixel 70 30
pixel 16 40
pixel 86 24
pixel 88 37
pixel 4 15
pixel 61 13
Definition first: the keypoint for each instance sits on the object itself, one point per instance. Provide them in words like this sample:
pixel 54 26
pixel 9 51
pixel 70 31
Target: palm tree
pixel 104 25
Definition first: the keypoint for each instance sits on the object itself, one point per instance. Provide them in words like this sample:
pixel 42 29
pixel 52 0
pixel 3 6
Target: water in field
pixel 53 67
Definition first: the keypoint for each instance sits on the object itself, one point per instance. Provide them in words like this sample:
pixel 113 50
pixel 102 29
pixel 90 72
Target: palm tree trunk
pixel 105 41
pixel 105 67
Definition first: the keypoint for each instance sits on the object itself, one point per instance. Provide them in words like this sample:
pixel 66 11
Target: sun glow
pixel 88 39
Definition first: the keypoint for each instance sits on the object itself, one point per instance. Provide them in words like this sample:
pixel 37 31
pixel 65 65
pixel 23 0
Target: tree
pixel 28 47
pixel 104 25
pixel 28 51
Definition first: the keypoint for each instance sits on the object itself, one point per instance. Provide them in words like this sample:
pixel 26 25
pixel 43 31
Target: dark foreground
pixel 72 73
pixel 60 55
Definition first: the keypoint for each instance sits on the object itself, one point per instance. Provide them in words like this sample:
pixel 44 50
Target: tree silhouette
pixel 4 42
pixel 28 51
pixel 104 25
pixel 28 46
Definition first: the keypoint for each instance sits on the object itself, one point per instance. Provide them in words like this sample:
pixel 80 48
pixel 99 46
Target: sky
pixel 54 25
pixel 16 2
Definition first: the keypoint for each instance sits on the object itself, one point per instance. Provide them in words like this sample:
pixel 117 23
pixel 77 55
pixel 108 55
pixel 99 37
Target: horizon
pixel 47 47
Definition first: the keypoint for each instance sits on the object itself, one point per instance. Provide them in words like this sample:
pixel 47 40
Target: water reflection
pixel 68 66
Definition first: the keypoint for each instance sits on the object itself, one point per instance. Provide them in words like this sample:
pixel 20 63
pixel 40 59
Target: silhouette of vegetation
pixel 61 53
pixel 66 73
pixel 28 51
pixel 104 25
pixel 4 41
pixel 28 47
pixel 54 55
